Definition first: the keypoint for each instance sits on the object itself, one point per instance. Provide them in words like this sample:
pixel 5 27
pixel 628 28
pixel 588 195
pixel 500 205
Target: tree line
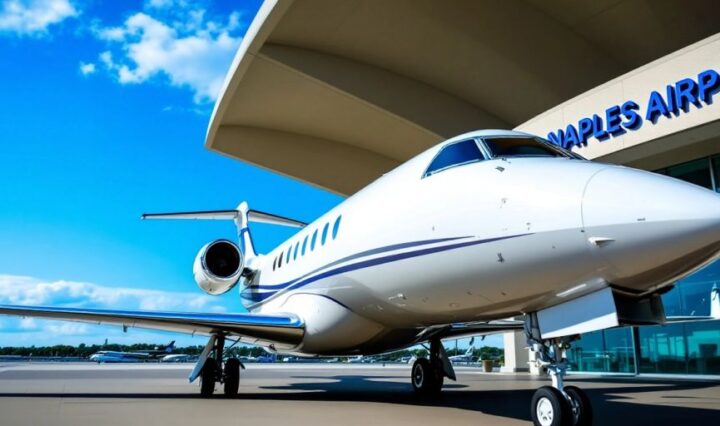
pixel 84 351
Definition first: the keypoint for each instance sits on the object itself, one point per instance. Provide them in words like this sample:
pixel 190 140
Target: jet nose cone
pixel 622 195
pixel 653 229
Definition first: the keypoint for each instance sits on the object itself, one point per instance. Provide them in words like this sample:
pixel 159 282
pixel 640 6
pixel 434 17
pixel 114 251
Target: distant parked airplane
pixel 465 358
pixel 139 356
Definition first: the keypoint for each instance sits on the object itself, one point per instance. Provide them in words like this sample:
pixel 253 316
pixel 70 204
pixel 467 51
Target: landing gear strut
pixel 212 371
pixel 428 375
pixel 556 405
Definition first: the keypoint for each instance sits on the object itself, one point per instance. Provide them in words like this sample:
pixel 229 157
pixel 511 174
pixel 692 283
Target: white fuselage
pixel 486 240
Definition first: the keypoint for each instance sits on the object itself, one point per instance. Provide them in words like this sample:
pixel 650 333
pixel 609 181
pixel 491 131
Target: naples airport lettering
pixel 675 100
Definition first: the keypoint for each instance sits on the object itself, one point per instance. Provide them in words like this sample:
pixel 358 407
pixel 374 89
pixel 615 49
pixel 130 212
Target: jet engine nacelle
pixel 218 266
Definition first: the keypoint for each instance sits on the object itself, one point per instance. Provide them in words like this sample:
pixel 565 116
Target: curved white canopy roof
pixel 335 93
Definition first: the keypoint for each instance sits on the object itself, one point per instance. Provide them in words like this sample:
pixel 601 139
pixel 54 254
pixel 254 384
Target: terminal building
pixel 348 90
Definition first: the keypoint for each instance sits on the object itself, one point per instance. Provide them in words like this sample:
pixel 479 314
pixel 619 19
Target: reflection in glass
pixel 608 351
pixel 697 172
pixel 703 347
pixel 662 349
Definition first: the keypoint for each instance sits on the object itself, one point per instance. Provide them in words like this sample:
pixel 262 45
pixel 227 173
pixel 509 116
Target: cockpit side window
pixel 455 154
pixel 519 146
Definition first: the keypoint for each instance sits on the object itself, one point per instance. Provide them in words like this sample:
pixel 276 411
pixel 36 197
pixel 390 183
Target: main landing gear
pixel 212 370
pixel 428 375
pixel 556 405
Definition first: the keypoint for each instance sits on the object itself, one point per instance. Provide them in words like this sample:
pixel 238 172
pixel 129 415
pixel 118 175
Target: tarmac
pixel 318 394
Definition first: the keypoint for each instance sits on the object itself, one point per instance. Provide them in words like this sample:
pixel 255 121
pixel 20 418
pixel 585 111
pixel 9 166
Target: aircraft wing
pixel 286 330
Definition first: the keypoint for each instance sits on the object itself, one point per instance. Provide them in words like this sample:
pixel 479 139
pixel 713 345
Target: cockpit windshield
pixel 518 146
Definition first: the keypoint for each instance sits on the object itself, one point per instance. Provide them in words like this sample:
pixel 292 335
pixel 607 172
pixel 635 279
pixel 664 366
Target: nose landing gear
pixel 556 405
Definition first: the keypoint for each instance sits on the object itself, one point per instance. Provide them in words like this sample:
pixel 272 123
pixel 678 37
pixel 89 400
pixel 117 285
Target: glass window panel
pixel 691 295
pixel 662 349
pixel 697 172
pixel 336 227
pixel 619 350
pixel 716 170
pixel 324 233
pixel 454 155
pixel 703 344
pixel 587 354
pixel 608 351
pixel 523 147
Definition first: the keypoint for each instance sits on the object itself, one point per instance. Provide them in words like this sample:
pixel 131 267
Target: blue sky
pixel 103 117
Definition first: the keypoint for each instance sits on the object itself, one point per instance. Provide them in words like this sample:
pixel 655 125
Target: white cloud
pixel 17 290
pixel 184 46
pixel 87 68
pixel 33 17
pixel 162 4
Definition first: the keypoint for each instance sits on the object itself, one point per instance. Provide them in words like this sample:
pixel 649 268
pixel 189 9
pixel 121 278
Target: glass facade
pixel 682 348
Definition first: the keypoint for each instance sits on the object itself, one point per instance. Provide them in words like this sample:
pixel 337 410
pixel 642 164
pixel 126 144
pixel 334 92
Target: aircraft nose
pixel 650 227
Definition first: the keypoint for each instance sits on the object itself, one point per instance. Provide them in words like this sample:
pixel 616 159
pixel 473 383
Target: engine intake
pixel 218 266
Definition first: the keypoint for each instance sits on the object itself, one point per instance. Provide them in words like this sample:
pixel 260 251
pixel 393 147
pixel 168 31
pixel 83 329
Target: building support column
pixel 516 352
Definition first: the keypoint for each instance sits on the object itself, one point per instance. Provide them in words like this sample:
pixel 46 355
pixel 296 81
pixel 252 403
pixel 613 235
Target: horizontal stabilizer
pixel 252 216
pixel 286 329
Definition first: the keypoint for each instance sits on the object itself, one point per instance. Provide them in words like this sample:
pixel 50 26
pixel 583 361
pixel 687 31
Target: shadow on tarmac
pixel 609 405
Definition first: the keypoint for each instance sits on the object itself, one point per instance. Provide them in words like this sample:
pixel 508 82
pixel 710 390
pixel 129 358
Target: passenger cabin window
pixel 312 241
pixel 297 245
pixel 304 246
pixel 280 260
pixel 289 253
pixel 324 233
pixel 518 146
pixel 336 227
pixel 274 263
pixel 455 154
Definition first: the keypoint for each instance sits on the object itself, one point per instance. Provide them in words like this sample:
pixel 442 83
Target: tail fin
pixel 241 215
pixel 171 347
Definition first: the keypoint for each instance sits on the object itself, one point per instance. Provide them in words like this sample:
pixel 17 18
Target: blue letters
pixel 612 116
pixel 628 116
pixel 585 128
pixel 598 131
pixel 557 138
pixel 708 85
pixel 656 107
pixel 634 121
pixel 686 92
pixel 571 137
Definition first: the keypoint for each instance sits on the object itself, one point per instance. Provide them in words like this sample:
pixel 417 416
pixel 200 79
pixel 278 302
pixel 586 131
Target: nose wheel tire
pixel 580 406
pixel 232 377
pixel 549 407
pixel 208 376
pixel 427 379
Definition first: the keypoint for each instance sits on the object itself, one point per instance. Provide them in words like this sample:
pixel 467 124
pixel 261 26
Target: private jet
pixel 465 358
pixel 138 356
pixel 487 232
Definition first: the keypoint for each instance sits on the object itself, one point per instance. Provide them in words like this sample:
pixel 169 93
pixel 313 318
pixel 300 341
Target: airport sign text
pixel 675 100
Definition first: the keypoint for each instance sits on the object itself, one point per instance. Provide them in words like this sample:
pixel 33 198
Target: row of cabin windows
pixel 307 245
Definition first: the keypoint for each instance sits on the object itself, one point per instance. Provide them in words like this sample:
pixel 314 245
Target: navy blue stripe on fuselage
pixel 260 297
pixel 370 252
